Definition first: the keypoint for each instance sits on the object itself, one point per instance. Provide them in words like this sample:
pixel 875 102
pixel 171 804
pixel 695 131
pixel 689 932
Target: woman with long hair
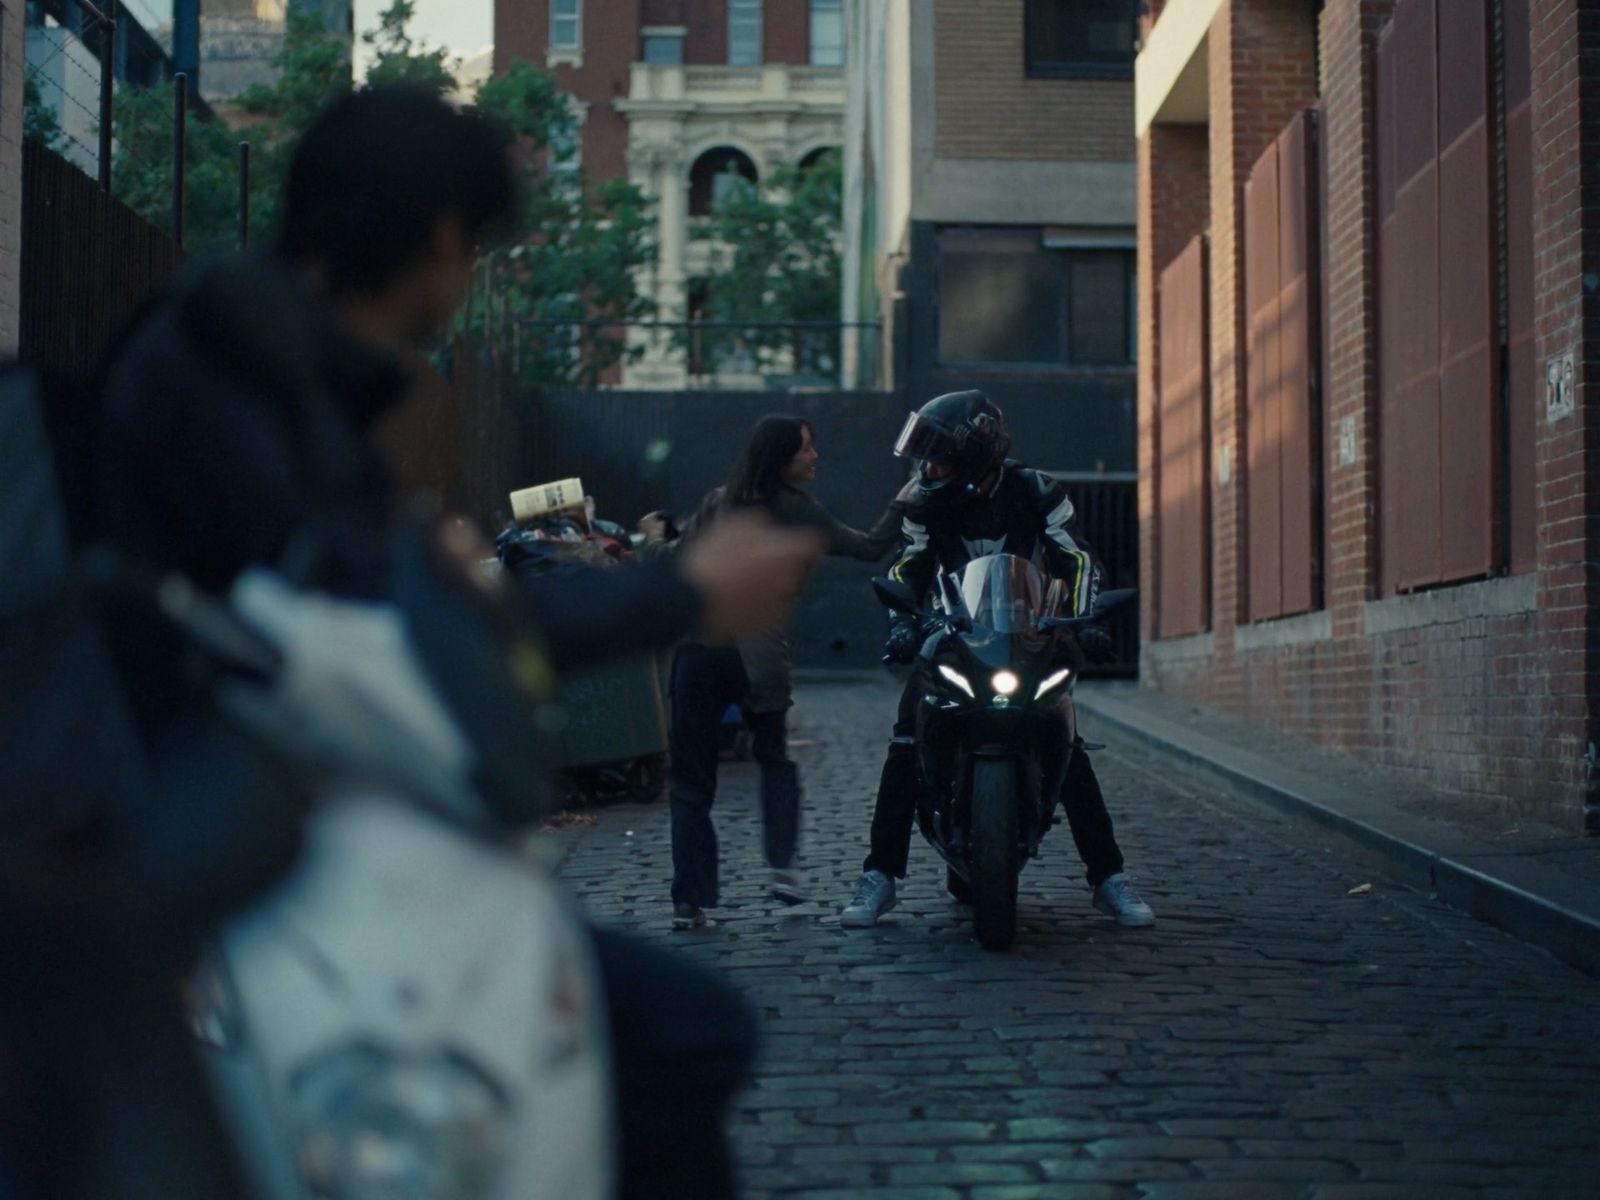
pixel 778 462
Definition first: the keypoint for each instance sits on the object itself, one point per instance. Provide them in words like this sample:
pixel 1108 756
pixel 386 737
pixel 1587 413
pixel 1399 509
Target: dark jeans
pixel 896 809
pixel 684 1041
pixel 706 680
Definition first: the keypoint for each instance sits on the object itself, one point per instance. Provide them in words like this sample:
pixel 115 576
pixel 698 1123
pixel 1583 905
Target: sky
pixel 464 27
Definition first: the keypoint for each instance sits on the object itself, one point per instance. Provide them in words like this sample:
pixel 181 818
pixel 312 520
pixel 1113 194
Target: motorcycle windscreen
pixel 1003 593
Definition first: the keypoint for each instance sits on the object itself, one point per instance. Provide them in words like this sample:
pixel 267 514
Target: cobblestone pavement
pixel 1272 1036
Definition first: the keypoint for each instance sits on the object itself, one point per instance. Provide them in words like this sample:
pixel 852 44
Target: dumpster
pixel 611 713
pixel 608 725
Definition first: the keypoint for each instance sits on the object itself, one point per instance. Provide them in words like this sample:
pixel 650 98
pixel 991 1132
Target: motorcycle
pixel 415 1012
pixel 996 725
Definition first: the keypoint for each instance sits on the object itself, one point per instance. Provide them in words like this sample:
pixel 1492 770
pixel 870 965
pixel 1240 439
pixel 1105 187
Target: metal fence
pixel 476 435
pixel 710 352
pixel 88 263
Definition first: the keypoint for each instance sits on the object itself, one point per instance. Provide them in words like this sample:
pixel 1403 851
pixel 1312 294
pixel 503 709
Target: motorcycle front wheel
pixel 994 852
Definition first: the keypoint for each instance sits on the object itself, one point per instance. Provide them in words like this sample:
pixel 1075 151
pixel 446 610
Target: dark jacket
pixel 236 433
pixel 1027 513
pixel 766 656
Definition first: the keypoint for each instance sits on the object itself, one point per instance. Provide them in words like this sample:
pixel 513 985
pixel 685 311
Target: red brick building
pixel 598 41
pixel 671 93
pixel 1369 290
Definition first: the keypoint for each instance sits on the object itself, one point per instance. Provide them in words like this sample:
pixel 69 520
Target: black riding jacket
pixel 1027 513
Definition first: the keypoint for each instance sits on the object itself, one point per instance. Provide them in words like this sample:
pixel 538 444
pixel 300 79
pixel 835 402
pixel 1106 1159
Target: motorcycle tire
pixel 960 890
pixel 994 852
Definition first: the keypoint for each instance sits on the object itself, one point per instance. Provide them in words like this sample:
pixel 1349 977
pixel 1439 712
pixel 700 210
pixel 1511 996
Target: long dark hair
pixel 758 475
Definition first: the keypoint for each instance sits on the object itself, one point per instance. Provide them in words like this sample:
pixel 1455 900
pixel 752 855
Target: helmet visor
pixel 927 440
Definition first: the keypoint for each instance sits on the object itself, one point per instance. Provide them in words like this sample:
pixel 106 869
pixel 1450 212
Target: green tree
pixel 776 257
pixel 572 257
pixel 552 298
pixel 314 70
pixel 398 59
pixel 39 120
pixel 141 169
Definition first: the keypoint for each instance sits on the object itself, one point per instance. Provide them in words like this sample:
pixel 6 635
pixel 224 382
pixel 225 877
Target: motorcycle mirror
pixel 1105 602
pixel 896 595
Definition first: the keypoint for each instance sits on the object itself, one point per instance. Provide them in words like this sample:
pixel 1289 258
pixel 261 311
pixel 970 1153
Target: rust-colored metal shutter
pixel 1409 296
pixel 1385 139
pixel 1469 356
pixel 1183 513
pixel 1522 364
pixel 1281 437
pixel 1439 359
pixel 1263 399
pixel 1299 352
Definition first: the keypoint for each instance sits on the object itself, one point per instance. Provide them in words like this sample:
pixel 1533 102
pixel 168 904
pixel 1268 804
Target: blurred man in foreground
pixel 237 431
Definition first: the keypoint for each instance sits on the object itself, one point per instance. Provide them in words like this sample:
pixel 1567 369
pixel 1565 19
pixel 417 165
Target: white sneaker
pixel 789 886
pixel 874 897
pixel 1116 898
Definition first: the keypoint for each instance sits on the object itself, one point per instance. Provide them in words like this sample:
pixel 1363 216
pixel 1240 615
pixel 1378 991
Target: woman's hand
pixel 654 526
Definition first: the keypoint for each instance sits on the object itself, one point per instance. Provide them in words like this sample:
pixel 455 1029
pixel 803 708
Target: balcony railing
pixel 773 82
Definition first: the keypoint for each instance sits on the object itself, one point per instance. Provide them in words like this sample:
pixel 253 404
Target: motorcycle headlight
pixel 1053 682
pixel 373 1126
pixel 957 678
pixel 1005 683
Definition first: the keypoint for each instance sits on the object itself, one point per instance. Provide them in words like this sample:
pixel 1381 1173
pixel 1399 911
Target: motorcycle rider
pixel 971 501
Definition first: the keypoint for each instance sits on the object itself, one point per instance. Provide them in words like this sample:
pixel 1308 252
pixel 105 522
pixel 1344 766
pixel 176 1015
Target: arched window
pixel 714 173
pixel 816 156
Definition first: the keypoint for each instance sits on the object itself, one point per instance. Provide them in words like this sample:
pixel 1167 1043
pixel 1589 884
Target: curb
pixel 1511 892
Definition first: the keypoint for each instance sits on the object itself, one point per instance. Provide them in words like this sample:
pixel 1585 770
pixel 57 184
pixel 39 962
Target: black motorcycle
pixel 996 726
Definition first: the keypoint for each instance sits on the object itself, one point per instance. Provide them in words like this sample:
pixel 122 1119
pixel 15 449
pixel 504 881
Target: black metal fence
pixel 88 263
pixel 477 435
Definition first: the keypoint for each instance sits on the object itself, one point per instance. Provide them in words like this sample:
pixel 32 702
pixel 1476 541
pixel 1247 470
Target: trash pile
pixel 555 529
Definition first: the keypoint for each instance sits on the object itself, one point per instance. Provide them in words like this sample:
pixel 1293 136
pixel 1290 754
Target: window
pixel 566 25
pixel 827 33
pixel 819 156
pixel 1006 298
pixel 1098 324
pixel 566 143
pixel 663 47
pixel 744 33
pixel 1091 39
pixel 714 175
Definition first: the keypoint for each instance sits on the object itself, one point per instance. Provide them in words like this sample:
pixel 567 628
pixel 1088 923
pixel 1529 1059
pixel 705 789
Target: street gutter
pixel 1517 892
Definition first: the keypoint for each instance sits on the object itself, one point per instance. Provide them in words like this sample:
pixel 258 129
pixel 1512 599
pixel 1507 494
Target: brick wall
pixel 1566 130
pixel 1261 62
pixel 610 45
pixel 1490 688
pixel 12 41
pixel 612 42
pixel 988 108
pixel 786 33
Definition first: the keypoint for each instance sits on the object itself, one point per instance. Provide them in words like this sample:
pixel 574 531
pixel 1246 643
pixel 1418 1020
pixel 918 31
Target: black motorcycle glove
pixel 904 642
pixel 1096 643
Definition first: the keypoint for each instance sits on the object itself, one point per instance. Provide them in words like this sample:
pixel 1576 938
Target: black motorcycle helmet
pixel 956 439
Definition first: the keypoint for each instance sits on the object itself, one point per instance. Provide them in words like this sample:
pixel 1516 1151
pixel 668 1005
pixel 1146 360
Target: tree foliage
pixel 398 59
pixel 39 120
pixel 776 258
pixel 314 70
pixel 575 266
pixel 573 258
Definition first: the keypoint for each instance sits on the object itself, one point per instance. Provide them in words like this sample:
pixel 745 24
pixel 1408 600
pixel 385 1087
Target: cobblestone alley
pixel 1273 1036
